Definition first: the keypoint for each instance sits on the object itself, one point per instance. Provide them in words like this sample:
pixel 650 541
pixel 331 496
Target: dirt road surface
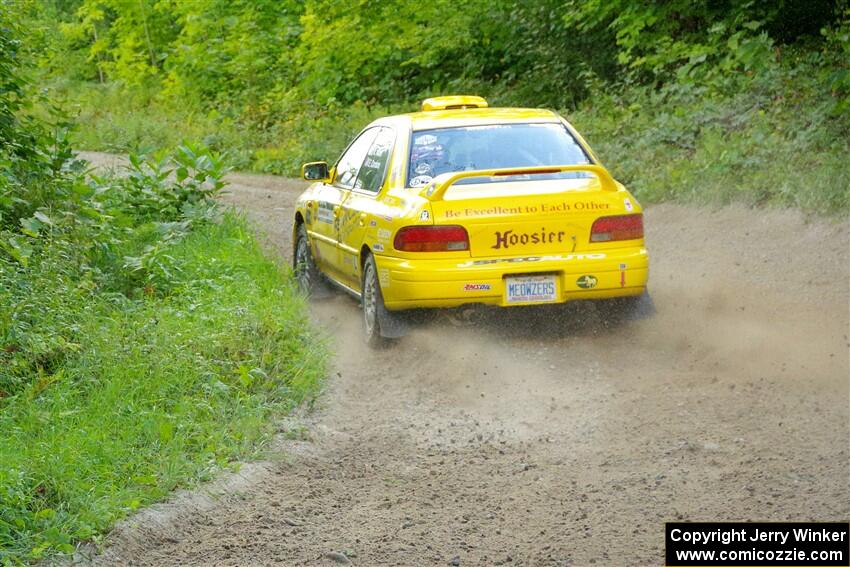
pixel 544 437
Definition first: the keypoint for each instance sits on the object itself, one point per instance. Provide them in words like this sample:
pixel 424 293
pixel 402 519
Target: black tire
pixel 310 280
pixel 632 308
pixel 373 303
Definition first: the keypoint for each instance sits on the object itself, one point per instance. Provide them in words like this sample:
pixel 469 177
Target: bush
pixel 145 341
pixel 772 138
pixel 109 402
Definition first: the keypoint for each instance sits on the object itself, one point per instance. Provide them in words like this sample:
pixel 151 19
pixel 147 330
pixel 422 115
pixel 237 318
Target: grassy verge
pixel 133 396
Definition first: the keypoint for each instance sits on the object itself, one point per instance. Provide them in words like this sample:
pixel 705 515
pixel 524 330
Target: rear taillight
pixel 431 239
pixel 622 227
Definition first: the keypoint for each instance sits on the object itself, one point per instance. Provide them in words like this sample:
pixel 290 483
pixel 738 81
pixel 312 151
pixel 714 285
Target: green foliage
pixel 655 39
pixel 26 156
pixel 403 49
pixel 837 50
pixel 234 54
pixel 83 230
pixel 126 399
pixel 145 341
pixel 110 122
pixel 774 141
pixel 255 56
pixel 276 84
pixel 126 40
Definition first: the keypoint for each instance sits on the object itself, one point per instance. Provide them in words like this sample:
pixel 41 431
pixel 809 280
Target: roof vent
pixel 453 102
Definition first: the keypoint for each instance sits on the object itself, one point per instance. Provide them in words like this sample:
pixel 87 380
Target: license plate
pixel 531 289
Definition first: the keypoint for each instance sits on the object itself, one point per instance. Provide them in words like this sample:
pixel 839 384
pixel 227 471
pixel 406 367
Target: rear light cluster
pixel 621 227
pixel 447 238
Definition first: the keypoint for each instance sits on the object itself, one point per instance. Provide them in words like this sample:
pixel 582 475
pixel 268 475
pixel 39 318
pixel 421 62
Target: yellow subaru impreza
pixel 464 204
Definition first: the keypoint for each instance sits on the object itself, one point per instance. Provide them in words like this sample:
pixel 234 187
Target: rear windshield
pixel 445 150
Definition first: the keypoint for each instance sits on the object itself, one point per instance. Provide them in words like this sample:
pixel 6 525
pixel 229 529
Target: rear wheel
pixel 373 304
pixel 307 274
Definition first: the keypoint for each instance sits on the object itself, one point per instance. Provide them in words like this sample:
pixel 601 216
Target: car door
pixel 329 199
pixel 358 206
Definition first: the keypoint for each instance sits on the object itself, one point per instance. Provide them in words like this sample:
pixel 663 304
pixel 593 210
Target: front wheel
pixel 307 274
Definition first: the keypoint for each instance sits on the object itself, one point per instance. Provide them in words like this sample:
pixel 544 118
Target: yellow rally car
pixel 464 204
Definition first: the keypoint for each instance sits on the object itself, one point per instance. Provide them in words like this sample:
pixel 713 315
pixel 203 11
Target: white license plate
pixel 531 289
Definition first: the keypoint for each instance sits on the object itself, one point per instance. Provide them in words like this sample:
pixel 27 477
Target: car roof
pixel 474 117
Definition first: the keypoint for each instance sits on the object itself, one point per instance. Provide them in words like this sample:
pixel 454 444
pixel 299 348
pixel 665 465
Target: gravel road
pixel 542 437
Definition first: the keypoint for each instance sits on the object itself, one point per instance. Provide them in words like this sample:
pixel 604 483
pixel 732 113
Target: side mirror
pixel 316 171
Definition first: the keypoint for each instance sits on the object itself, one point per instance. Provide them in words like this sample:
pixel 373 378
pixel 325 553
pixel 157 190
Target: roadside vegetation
pixel 145 340
pixel 715 102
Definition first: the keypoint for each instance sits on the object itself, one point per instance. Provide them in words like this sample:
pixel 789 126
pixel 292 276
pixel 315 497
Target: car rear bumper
pixel 410 284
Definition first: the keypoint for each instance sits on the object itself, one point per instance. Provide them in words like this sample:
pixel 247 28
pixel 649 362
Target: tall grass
pixel 115 118
pixel 149 394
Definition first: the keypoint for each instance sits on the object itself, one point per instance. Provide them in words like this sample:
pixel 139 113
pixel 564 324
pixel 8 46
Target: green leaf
pixel 165 429
pixel 20 251
pixel 45 514
pixel 43 218
pixel 31 226
pixel 245 376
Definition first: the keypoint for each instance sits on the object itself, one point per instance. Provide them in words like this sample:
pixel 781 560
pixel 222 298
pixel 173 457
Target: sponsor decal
pixel 325 213
pixel 309 219
pixel 510 238
pixel 424 216
pixel 567 258
pixel 590 206
pixel 628 204
pixel 378 247
pixel 544 208
pixel 384 277
pixel 384 234
pixel 425 140
pixel 476 287
pixel 492 211
pixel 421 181
pixel 388 217
pixel 587 282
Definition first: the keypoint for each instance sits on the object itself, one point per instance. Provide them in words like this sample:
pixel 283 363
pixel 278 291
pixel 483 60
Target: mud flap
pixel 634 308
pixel 392 325
pixel 642 307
